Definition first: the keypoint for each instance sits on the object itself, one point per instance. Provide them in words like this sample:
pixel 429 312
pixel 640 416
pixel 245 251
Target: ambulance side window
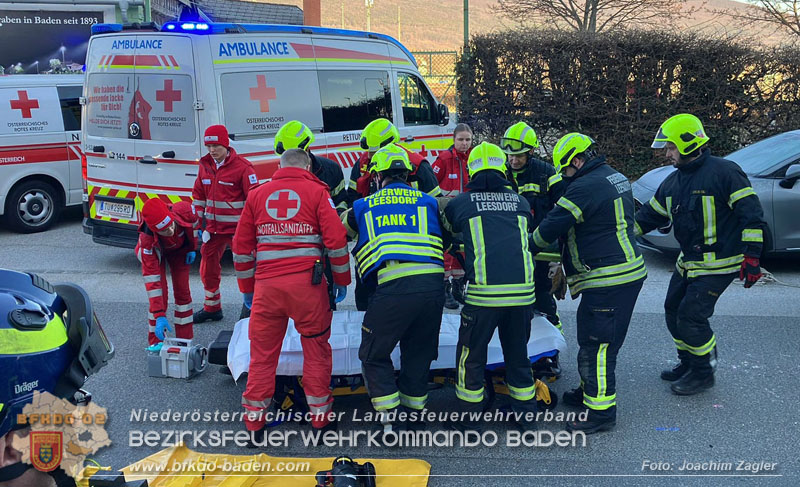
pixel 352 99
pixel 70 106
pixel 419 107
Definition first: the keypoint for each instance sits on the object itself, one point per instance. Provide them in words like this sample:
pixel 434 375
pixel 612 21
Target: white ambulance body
pixel 40 149
pixel 150 95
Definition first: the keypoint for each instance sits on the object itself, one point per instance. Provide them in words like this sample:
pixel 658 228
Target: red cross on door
pixel 262 93
pixel 24 105
pixel 168 95
pixel 283 204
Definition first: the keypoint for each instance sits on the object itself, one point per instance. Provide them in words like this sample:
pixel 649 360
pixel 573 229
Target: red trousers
pixel 276 300
pixel 183 297
pixel 211 269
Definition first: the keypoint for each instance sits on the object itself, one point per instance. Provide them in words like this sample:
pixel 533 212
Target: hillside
pixel 426 25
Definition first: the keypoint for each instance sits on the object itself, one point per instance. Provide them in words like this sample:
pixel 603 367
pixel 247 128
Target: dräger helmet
pixel 50 341
pixel 379 133
pixel 519 139
pixel 390 158
pixel 569 146
pixel 293 135
pixel 486 156
pixel 684 130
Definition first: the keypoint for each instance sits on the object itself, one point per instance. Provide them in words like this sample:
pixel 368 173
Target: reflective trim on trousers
pixel 242 258
pixel 384 403
pixel 186 320
pixel 211 294
pixel 255 404
pixel 413 402
pixel 246 274
pixel 155 293
pixel 522 393
pixel 152 278
pixel 211 302
pixel 699 351
pixel 468 395
pixel 183 307
pixel 599 403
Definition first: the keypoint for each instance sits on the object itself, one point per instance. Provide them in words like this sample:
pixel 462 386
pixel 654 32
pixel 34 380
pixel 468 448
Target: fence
pixel 438 69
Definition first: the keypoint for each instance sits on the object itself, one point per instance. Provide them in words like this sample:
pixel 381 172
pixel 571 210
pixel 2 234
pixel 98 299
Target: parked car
pixel 773 166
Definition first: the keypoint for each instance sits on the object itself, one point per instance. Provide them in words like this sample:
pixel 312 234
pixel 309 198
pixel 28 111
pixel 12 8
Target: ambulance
pixel 40 149
pixel 150 94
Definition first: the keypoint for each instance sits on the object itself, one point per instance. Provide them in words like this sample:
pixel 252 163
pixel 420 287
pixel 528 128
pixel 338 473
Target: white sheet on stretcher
pixel 346 338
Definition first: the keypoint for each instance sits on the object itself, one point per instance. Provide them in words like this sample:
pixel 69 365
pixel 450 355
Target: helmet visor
pixel 660 141
pixel 514 146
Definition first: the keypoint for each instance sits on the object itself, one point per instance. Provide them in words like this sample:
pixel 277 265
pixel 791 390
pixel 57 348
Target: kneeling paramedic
pixel 167 237
pixel 719 223
pixel 52 342
pixel 493 220
pixel 603 264
pixel 400 247
pixel 277 249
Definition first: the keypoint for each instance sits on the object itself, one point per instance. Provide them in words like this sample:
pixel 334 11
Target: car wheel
pixel 33 206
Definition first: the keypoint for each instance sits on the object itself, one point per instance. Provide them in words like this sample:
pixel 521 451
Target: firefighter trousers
pixel 413 320
pixel 604 315
pixel 211 269
pixel 545 302
pixel 183 322
pixel 275 300
pixel 513 324
pixel 688 306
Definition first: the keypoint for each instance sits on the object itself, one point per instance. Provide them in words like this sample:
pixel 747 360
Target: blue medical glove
pixel 155 348
pixel 190 256
pixel 340 292
pixel 162 325
pixel 248 300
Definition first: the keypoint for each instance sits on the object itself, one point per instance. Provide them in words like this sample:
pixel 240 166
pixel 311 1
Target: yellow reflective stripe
pixel 711 264
pixel 462 368
pixel 338 189
pixel 353 185
pixel 370 225
pixel 18 342
pixel 709 221
pixel 383 403
pixel 611 269
pixel 617 280
pixel 530 187
pixel 602 357
pixel 572 245
pixel 637 229
pixel 527 258
pixel 704 349
pixel 622 230
pixel 476 229
pixel 599 403
pixel 499 301
pixel 405 269
pixel 413 402
pixel 553 180
pixel 435 192
pixel 422 219
pixel 366 263
pixel 398 237
pixel 502 288
pixel 538 240
pixel 571 207
pixel 742 193
pixel 522 393
pixel 468 395
pixel 752 235
pixel 654 204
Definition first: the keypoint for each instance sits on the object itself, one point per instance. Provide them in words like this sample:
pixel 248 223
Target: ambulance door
pixel 417 115
pixel 69 97
pixel 165 131
pixel 355 87
pixel 108 142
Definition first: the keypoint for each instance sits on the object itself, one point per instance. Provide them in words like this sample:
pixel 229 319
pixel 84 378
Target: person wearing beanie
pixel 167 237
pixel 223 180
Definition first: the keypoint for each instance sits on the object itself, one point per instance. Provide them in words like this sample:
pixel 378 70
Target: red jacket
pixel 152 248
pixel 285 225
pixel 420 178
pixel 451 171
pixel 219 194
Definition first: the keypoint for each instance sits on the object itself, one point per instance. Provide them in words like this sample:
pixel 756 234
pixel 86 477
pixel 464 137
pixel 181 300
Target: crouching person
pixel 166 237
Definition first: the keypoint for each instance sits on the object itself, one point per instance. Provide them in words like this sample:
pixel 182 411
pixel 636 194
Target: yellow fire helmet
pixel 379 133
pixel 518 139
pixel 568 147
pixel 389 158
pixel 293 135
pixel 486 156
pixel 684 130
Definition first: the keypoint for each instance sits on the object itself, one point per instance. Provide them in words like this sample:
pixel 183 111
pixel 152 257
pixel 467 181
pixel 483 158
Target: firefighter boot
pixel 202 316
pixel 573 398
pixel 675 373
pixel 595 422
pixel 699 378
pixel 449 301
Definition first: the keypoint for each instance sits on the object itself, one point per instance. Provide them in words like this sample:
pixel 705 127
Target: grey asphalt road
pixel 749 416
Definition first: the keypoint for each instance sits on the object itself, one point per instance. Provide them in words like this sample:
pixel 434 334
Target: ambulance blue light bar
pixel 106 28
pixel 199 27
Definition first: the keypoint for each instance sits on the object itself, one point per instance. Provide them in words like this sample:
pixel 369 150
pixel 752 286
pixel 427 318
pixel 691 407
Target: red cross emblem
pixel 168 95
pixel 24 105
pixel 263 93
pixel 283 204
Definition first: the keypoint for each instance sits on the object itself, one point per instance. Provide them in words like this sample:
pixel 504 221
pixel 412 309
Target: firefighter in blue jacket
pixel 400 251
pixel 718 221
pixel 603 264
pixel 494 223
pixel 540 184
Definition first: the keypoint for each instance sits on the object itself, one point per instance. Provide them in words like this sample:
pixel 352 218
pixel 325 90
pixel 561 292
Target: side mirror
pixel 444 114
pixel 792 175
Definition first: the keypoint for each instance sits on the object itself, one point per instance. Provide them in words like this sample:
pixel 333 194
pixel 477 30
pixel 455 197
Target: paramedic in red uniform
pixel 223 180
pixel 285 226
pixel 167 237
pixel 450 169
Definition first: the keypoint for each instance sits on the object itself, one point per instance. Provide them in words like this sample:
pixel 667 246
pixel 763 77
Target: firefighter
pixel 450 169
pixel 167 237
pixel 494 222
pixel 52 342
pixel 278 246
pixel 223 180
pixel 296 135
pixel 603 265
pixel 718 221
pixel 541 185
pixel 380 133
pixel 399 250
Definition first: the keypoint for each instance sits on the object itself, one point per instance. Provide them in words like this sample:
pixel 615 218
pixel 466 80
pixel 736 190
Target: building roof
pixel 240 11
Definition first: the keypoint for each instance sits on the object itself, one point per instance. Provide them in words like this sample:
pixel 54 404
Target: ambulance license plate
pixel 113 209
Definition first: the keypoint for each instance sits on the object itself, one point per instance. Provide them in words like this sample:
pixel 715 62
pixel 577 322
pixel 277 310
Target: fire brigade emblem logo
pixel 46 450
pixel 283 204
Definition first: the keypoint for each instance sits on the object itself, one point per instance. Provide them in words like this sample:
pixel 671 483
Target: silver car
pixel 773 166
